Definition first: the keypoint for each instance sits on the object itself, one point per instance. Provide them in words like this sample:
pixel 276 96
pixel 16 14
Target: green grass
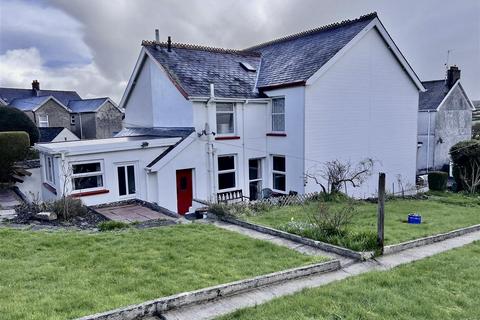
pixel 441 212
pixel 445 286
pixel 60 275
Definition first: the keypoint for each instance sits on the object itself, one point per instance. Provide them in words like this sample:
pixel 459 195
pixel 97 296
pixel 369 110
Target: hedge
pixel 12 119
pixel 463 154
pixel 437 180
pixel 14 146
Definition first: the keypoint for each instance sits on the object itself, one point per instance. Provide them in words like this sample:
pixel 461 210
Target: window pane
pixel 226 180
pixel 254 169
pixel 122 186
pixel 131 179
pixel 224 107
pixel 279 181
pixel 279 164
pixel 224 123
pixel 278 122
pixel 86 167
pixel 226 163
pixel 87 182
pixel 278 105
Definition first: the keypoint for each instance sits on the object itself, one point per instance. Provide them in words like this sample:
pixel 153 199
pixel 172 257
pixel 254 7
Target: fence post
pixel 381 212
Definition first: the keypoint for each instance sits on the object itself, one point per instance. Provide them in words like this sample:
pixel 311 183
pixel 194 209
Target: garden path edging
pixel 394 248
pixel 296 238
pixel 155 307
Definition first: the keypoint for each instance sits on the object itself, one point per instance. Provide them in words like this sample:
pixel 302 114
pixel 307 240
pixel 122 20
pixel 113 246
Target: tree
pixel 338 174
pixel 12 119
pixel 466 159
pixel 14 146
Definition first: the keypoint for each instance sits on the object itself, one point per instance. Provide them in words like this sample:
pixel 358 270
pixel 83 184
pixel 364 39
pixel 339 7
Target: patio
pixel 132 213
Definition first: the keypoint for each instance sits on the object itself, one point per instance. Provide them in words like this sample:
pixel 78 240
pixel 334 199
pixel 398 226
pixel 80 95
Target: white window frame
pixel 260 169
pixel 49 170
pixel 135 171
pixel 72 119
pixel 279 172
pixel 278 113
pixel 226 112
pixel 42 120
pixel 234 170
pixel 87 174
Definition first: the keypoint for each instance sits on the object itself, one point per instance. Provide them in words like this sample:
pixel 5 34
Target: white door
pixel 255 178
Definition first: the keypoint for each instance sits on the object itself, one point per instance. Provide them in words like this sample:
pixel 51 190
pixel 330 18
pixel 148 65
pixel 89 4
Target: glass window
pixel 226 172
pixel 279 173
pixel 87 175
pixel 278 114
pixel 49 170
pixel 225 118
pixel 72 120
pixel 126 180
pixel 43 121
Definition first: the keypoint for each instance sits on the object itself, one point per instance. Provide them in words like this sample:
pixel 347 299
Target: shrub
pixel 466 160
pixel 330 221
pixel 112 225
pixel 14 147
pixel 68 207
pixel 476 131
pixel 437 180
pixel 12 119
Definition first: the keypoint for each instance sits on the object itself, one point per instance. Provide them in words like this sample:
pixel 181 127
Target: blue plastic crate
pixel 414 218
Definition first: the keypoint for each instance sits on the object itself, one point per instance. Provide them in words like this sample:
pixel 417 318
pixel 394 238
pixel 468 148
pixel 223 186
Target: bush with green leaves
pixel 12 119
pixel 14 147
pixel 112 225
pixel 466 160
pixel 437 180
pixel 476 131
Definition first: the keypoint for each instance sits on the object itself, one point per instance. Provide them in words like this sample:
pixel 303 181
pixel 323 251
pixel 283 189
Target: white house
pixel 207 122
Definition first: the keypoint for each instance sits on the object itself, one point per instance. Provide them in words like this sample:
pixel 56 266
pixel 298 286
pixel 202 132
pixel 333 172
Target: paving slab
pixel 252 298
pixel 132 213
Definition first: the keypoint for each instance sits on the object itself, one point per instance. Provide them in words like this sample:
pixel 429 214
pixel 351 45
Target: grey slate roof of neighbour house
pixel 159 132
pixel 86 105
pixel 285 61
pixel 9 94
pixel 28 104
pixel 431 99
pixel 48 134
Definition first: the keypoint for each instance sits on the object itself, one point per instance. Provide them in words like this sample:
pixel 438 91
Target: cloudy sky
pixel 91 45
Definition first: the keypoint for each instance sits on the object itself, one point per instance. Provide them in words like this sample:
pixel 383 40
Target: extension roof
pixel 86 105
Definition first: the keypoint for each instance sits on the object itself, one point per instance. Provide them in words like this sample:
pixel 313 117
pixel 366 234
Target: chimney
pixel 35 85
pixel 169 44
pixel 453 75
pixel 157 35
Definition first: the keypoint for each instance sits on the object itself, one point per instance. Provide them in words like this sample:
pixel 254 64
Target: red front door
pixel 184 190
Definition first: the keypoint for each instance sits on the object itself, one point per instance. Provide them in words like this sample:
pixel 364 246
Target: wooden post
pixel 381 212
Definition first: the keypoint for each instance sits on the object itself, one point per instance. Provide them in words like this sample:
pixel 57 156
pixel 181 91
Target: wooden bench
pixel 230 196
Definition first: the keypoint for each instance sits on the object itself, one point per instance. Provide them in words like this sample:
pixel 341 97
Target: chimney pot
pixel 35 85
pixel 453 75
pixel 169 44
pixel 157 35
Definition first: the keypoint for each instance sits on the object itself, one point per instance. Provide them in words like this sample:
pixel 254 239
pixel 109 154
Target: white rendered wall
pixel 364 106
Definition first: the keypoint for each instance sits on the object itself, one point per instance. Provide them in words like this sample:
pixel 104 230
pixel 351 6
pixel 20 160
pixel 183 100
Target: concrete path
pixel 344 261
pixel 226 305
pixel 8 201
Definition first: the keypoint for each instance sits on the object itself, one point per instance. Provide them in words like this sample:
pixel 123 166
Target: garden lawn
pixel 445 286
pixel 63 275
pixel 441 212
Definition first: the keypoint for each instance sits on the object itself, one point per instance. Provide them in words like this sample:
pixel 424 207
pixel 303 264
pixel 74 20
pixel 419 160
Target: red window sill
pixel 276 134
pixel 228 138
pixel 89 193
pixel 50 188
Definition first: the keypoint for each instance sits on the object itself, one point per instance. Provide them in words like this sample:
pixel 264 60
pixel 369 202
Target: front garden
pixel 445 286
pixel 63 275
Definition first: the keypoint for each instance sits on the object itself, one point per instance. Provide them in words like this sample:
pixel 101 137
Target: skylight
pixel 247 66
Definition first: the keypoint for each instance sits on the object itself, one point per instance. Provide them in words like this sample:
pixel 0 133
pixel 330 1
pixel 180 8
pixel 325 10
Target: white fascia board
pixel 173 153
pixel 457 84
pixel 376 23
pixel 133 78
pixel 93 147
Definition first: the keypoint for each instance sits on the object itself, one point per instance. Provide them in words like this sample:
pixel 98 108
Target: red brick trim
pixel 228 138
pixel 89 193
pixel 276 134
pixel 50 188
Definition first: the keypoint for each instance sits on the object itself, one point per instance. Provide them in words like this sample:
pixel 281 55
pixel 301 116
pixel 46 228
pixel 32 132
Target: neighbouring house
pixel 212 124
pixel 55 108
pixel 476 112
pixel 95 118
pixel 444 118
pixel 56 134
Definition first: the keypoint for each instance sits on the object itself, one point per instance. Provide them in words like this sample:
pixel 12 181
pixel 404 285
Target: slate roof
pixel 431 99
pixel 158 132
pixel 28 104
pixel 48 134
pixel 86 105
pixel 9 94
pixel 285 61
